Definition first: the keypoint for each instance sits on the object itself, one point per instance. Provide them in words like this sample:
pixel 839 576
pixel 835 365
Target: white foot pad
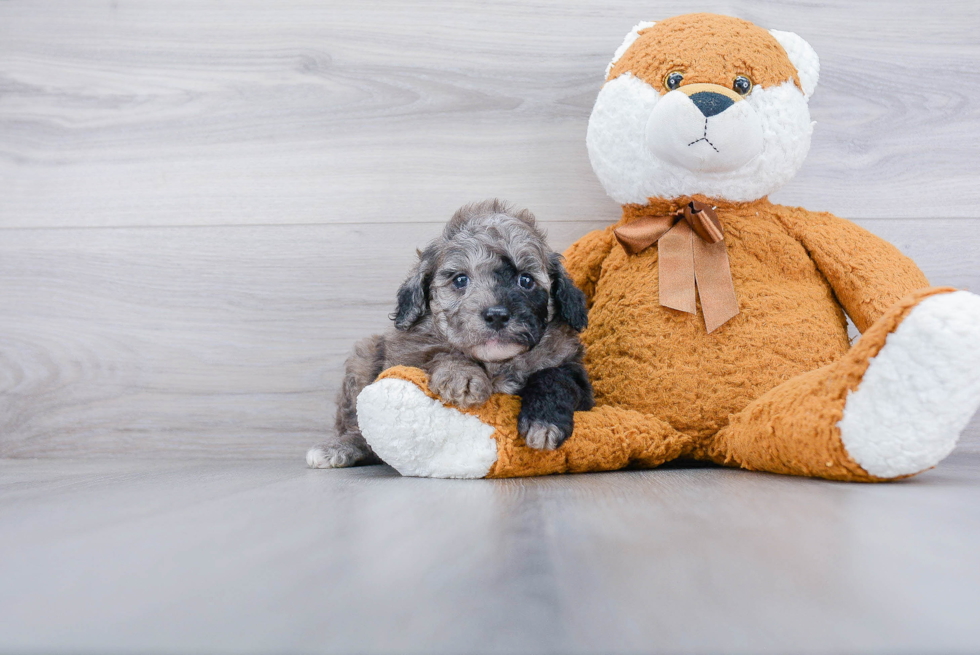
pixel 920 391
pixel 421 437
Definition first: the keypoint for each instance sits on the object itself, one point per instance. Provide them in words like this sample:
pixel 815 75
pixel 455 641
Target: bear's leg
pixel 893 406
pixel 413 431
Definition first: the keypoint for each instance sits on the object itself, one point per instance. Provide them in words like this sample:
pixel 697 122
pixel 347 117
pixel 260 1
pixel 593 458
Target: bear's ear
pixel 627 42
pixel 803 57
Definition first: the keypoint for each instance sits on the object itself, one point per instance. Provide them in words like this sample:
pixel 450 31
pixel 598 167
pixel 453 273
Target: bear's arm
pixel 583 260
pixel 867 273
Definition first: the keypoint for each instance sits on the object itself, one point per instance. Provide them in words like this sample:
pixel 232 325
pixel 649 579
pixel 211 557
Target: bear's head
pixel 702 104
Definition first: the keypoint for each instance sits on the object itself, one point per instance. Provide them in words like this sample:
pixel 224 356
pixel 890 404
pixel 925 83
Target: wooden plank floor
pixel 161 556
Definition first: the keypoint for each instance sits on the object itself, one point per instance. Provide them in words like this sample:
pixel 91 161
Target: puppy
pixel 487 309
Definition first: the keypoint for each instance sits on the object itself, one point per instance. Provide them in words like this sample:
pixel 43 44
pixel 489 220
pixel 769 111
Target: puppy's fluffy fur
pixel 487 309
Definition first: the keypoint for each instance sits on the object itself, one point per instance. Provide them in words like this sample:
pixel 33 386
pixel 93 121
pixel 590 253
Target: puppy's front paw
pixel 540 433
pixel 331 456
pixel 465 387
pixel 544 436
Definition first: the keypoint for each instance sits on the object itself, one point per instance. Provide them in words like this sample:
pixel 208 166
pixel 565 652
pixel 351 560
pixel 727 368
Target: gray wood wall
pixel 202 204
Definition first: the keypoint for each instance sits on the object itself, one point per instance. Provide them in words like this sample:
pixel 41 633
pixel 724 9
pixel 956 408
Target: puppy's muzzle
pixel 496 317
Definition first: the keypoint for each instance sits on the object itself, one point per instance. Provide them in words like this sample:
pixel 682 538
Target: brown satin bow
pixel 685 261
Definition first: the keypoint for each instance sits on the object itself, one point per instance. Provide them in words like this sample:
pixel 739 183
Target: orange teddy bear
pixel 717 325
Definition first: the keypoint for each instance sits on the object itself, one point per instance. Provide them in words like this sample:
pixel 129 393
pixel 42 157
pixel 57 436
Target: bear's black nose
pixel 711 103
pixel 496 317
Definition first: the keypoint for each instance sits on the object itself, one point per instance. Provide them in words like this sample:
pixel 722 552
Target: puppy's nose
pixel 496 317
pixel 711 103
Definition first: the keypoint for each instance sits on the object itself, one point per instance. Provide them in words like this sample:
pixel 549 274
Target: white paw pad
pixel 317 458
pixel 421 437
pixel 330 457
pixel 543 436
pixel 919 392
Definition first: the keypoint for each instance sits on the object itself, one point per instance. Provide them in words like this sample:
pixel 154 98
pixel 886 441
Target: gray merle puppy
pixel 488 309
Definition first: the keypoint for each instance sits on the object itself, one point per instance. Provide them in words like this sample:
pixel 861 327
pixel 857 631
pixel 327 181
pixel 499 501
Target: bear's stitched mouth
pixel 704 137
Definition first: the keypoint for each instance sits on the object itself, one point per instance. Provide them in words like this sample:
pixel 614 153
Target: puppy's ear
pixel 413 294
pixel 569 300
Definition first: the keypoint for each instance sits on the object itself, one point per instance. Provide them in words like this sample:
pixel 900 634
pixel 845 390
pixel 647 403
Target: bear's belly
pixel 662 361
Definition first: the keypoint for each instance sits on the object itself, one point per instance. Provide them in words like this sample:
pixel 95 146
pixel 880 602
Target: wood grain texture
pixel 199 113
pixel 228 341
pixel 219 341
pixel 260 557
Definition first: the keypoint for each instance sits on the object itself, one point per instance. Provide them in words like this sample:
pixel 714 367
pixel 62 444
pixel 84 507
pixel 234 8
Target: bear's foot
pixel 419 436
pixel 919 391
pixel 408 426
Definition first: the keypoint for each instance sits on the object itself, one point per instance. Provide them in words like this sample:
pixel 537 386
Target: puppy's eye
pixel 673 80
pixel 742 85
pixel 461 280
pixel 525 281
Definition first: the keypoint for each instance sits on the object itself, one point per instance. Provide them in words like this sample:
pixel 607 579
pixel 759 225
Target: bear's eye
pixel 525 281
pixel 742 85
pixel 461 280
pixel 673 80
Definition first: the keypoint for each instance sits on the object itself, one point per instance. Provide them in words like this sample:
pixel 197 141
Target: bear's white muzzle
pixel 704 128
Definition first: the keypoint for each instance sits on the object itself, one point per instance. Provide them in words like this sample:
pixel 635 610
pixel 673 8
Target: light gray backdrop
pixel 203 204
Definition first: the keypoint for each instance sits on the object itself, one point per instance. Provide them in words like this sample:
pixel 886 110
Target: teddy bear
pixel 717 320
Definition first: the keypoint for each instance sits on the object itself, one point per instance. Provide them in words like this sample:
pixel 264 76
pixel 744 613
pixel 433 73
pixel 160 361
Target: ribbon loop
pixel 643 232
pixel 688 267
pixel 704 221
